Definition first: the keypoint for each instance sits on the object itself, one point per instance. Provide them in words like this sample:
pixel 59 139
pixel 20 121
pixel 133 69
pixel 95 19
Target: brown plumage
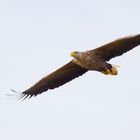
pixel 118 47
pixel 56 79
pixel 83 61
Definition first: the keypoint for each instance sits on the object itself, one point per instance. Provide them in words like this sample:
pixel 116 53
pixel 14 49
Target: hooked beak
pixel 72 54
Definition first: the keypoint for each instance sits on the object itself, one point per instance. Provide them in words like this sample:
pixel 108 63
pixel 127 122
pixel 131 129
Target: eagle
pixel 82 62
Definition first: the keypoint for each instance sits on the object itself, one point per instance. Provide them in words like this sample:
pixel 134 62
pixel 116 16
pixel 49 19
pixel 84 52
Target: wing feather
pixel 58 78
pixel 118 47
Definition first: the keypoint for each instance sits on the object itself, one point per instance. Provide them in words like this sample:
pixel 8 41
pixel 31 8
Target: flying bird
pixel 96 60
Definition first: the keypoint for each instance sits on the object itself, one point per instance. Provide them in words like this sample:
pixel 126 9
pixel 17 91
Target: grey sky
pixel 93 106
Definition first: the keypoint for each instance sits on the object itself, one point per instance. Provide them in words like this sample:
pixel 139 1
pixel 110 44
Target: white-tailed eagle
pixel 96 60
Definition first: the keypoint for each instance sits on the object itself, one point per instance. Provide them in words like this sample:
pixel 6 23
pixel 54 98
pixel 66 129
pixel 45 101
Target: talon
pixel 112 71
pixel 106 72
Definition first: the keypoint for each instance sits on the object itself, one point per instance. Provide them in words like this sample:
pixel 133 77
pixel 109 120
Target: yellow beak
pixel 72 54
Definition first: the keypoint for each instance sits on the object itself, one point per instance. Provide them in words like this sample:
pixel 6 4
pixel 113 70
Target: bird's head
pixel 75 54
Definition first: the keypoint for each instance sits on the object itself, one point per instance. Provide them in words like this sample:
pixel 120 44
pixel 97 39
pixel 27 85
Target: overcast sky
pixel 36 37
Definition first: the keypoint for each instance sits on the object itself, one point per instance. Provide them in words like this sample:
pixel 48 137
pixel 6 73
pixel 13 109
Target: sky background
pixel 36 37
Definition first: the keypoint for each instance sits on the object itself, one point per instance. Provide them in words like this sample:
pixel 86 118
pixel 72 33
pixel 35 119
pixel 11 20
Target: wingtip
pixel 22 96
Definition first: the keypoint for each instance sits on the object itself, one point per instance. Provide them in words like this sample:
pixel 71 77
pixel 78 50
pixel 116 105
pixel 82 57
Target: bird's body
pixel 90 61
pixel 96 60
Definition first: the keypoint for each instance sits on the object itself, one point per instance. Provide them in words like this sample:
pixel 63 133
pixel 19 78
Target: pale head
pixel 75 54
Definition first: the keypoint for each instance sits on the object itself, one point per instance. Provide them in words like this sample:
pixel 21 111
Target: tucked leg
pixel 110 70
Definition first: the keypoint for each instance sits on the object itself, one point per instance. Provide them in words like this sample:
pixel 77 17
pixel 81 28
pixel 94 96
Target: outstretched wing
pixel 117 47
pixel 55 79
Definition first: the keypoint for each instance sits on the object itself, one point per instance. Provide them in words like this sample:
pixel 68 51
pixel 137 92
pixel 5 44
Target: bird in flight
pixel 96 60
